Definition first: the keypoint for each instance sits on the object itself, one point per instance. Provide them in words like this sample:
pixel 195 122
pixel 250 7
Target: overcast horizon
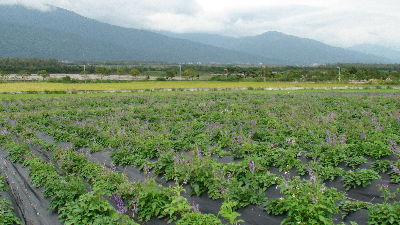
pixel 338 22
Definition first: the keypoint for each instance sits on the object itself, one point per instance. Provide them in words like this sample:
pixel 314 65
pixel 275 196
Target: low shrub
pixel 362 177
pixel 197 218
pixel 6 214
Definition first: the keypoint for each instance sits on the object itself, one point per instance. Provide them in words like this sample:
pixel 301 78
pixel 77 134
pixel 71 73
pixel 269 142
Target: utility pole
pixel 339 78
pixel 180 71
pixel 263 71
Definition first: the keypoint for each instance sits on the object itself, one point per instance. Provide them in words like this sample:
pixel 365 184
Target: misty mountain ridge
pixel 65 35
pixel 378 50
pixel 288 48
pixel 142 45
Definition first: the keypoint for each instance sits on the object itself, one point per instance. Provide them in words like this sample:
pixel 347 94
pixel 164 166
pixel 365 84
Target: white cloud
pixel 337 22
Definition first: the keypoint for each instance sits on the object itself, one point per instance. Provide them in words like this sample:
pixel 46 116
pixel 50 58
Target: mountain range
pixel 65 35
pixel 378 50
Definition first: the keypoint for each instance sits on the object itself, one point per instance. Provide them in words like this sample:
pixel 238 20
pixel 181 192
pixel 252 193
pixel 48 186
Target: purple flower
pixel 343 139
pixel 398 119
pixel 385 186
pixel 252 166
pixel 238 139
pixel 252 122
pixel 177 159
pixel 113 167
pixel 395 169
pixel 394 146
pixel 134 205
pixel 328 140
pixel 146 170
pixel 331 139
pixel 290 141
pixel 374 120
pixel 3 131
pixel 222 189
pixel 196 207
pixel 120 204
pixel 311 173
pixel 199 154
pixel 362 135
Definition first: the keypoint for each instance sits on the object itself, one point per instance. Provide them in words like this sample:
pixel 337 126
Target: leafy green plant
pixel 376 149
pixel 3 184
pixel 384 214
pixel 152 199
pixel 177 206
pixel 305 202
pixel 67 190
pixel 351 223
pixel 90 208
pixel 331 155
pixel 347 207
pixel 325 173
pixel 355 161
pixel 395 172
pixel 388 194
pixel 381 166
pixel 202 173
pixel 17 152
pixel 165 165
pixel 245 186
pixel 362 177
pixel 197 218
pixel 227 212
pixel 6 214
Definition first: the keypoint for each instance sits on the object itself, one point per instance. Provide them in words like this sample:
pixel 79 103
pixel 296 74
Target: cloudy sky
pixel 337 22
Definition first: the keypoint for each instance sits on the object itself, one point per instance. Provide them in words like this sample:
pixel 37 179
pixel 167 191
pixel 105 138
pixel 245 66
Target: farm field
pixel 46 86
pixel 207 157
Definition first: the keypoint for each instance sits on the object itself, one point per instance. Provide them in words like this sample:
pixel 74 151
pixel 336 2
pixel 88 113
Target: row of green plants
pixel 7 216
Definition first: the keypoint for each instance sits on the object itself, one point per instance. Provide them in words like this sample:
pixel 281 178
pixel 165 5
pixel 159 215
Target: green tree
pixel 171 74
pixel 3 74
pixel 265 73
pixel 189 73
pixel 102 71
pixel 121 71
pixel 134 72
pixel 360 75
pixel 23 74
pixel 44 74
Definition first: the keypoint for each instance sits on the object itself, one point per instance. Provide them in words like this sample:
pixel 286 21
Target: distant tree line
pixel 30 66
pixel 44 67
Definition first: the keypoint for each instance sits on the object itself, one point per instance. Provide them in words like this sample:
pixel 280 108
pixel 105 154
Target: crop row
pixel 6 210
